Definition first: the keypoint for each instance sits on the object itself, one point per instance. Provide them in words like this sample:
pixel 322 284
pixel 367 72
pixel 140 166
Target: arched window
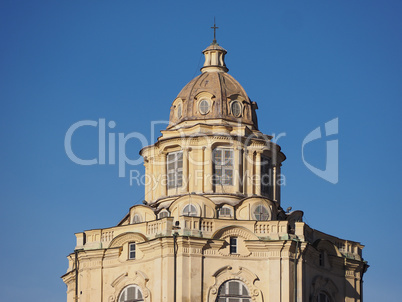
pixel 190 210
pixel 131 293
pixel 137 218
pixel 323 297
pixel 233 291
pixel 261 213
pixel 225 212
pixel 163 214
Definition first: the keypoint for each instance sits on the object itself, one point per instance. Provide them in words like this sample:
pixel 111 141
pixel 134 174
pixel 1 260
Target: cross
pixel 214 28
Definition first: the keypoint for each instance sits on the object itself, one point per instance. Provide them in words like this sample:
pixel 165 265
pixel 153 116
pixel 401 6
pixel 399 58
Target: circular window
pixel 179 111
pixel 261 213
pixel 203 106
pixel 236 109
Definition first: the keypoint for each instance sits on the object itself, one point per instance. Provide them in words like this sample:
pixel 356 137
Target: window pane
pixel 131 293
pixel 261 213
pixel 171 166
pixel 204 106
pixel 228 158
pixel 223 167
pixel 180 163
pixel 190 210
pixel 236 109
pixel 163 214
pixel 175 169
pixel 234 288
pixel 233 240
pixel 137 218
pixel 222 290
pixel 226 212
pixel 179 180
pixel 218 157
pixel 233 245
pixel 227 177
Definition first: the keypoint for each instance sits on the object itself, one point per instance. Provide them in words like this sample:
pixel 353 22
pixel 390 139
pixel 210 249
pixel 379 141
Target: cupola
pixel 213 97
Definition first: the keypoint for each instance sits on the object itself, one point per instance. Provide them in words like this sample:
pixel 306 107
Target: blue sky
pixel 303 62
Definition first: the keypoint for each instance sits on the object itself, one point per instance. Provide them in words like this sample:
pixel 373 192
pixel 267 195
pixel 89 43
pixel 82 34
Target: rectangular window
pixel 131 251
pixel 175 169
pixel 321 258
pixel 233 245
pixel 266 176
pixel 223 167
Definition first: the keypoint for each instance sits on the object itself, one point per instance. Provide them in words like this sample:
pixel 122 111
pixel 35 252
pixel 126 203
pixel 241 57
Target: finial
pixel 214 28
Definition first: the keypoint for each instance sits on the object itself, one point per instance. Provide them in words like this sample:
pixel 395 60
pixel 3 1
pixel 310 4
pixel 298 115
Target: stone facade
pixel 212 227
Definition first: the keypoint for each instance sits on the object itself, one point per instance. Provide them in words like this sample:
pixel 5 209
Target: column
pixel 278 182
pixel 184 188
pixel 245 172
pixel 190 170
pixel 257 182
pixel 250 172
pixel 202 185
pixel 149 178
pixel 208 170
pixel 236 169
pixel 163 169
pixel 273 184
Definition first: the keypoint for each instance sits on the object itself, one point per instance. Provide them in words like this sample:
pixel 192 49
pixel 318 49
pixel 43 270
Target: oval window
pixel 203 106
pixel 236 109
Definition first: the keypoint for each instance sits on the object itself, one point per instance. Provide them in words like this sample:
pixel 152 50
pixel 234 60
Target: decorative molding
pixel 118 279
pixel 227 273
pixel 234 231
pixel 139 278
pixel 127 237
pixel 322 284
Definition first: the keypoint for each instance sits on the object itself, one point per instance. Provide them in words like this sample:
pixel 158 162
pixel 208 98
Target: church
pixel 211 227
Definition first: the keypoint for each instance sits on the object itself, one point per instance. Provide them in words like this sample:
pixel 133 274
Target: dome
pixel 213 95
